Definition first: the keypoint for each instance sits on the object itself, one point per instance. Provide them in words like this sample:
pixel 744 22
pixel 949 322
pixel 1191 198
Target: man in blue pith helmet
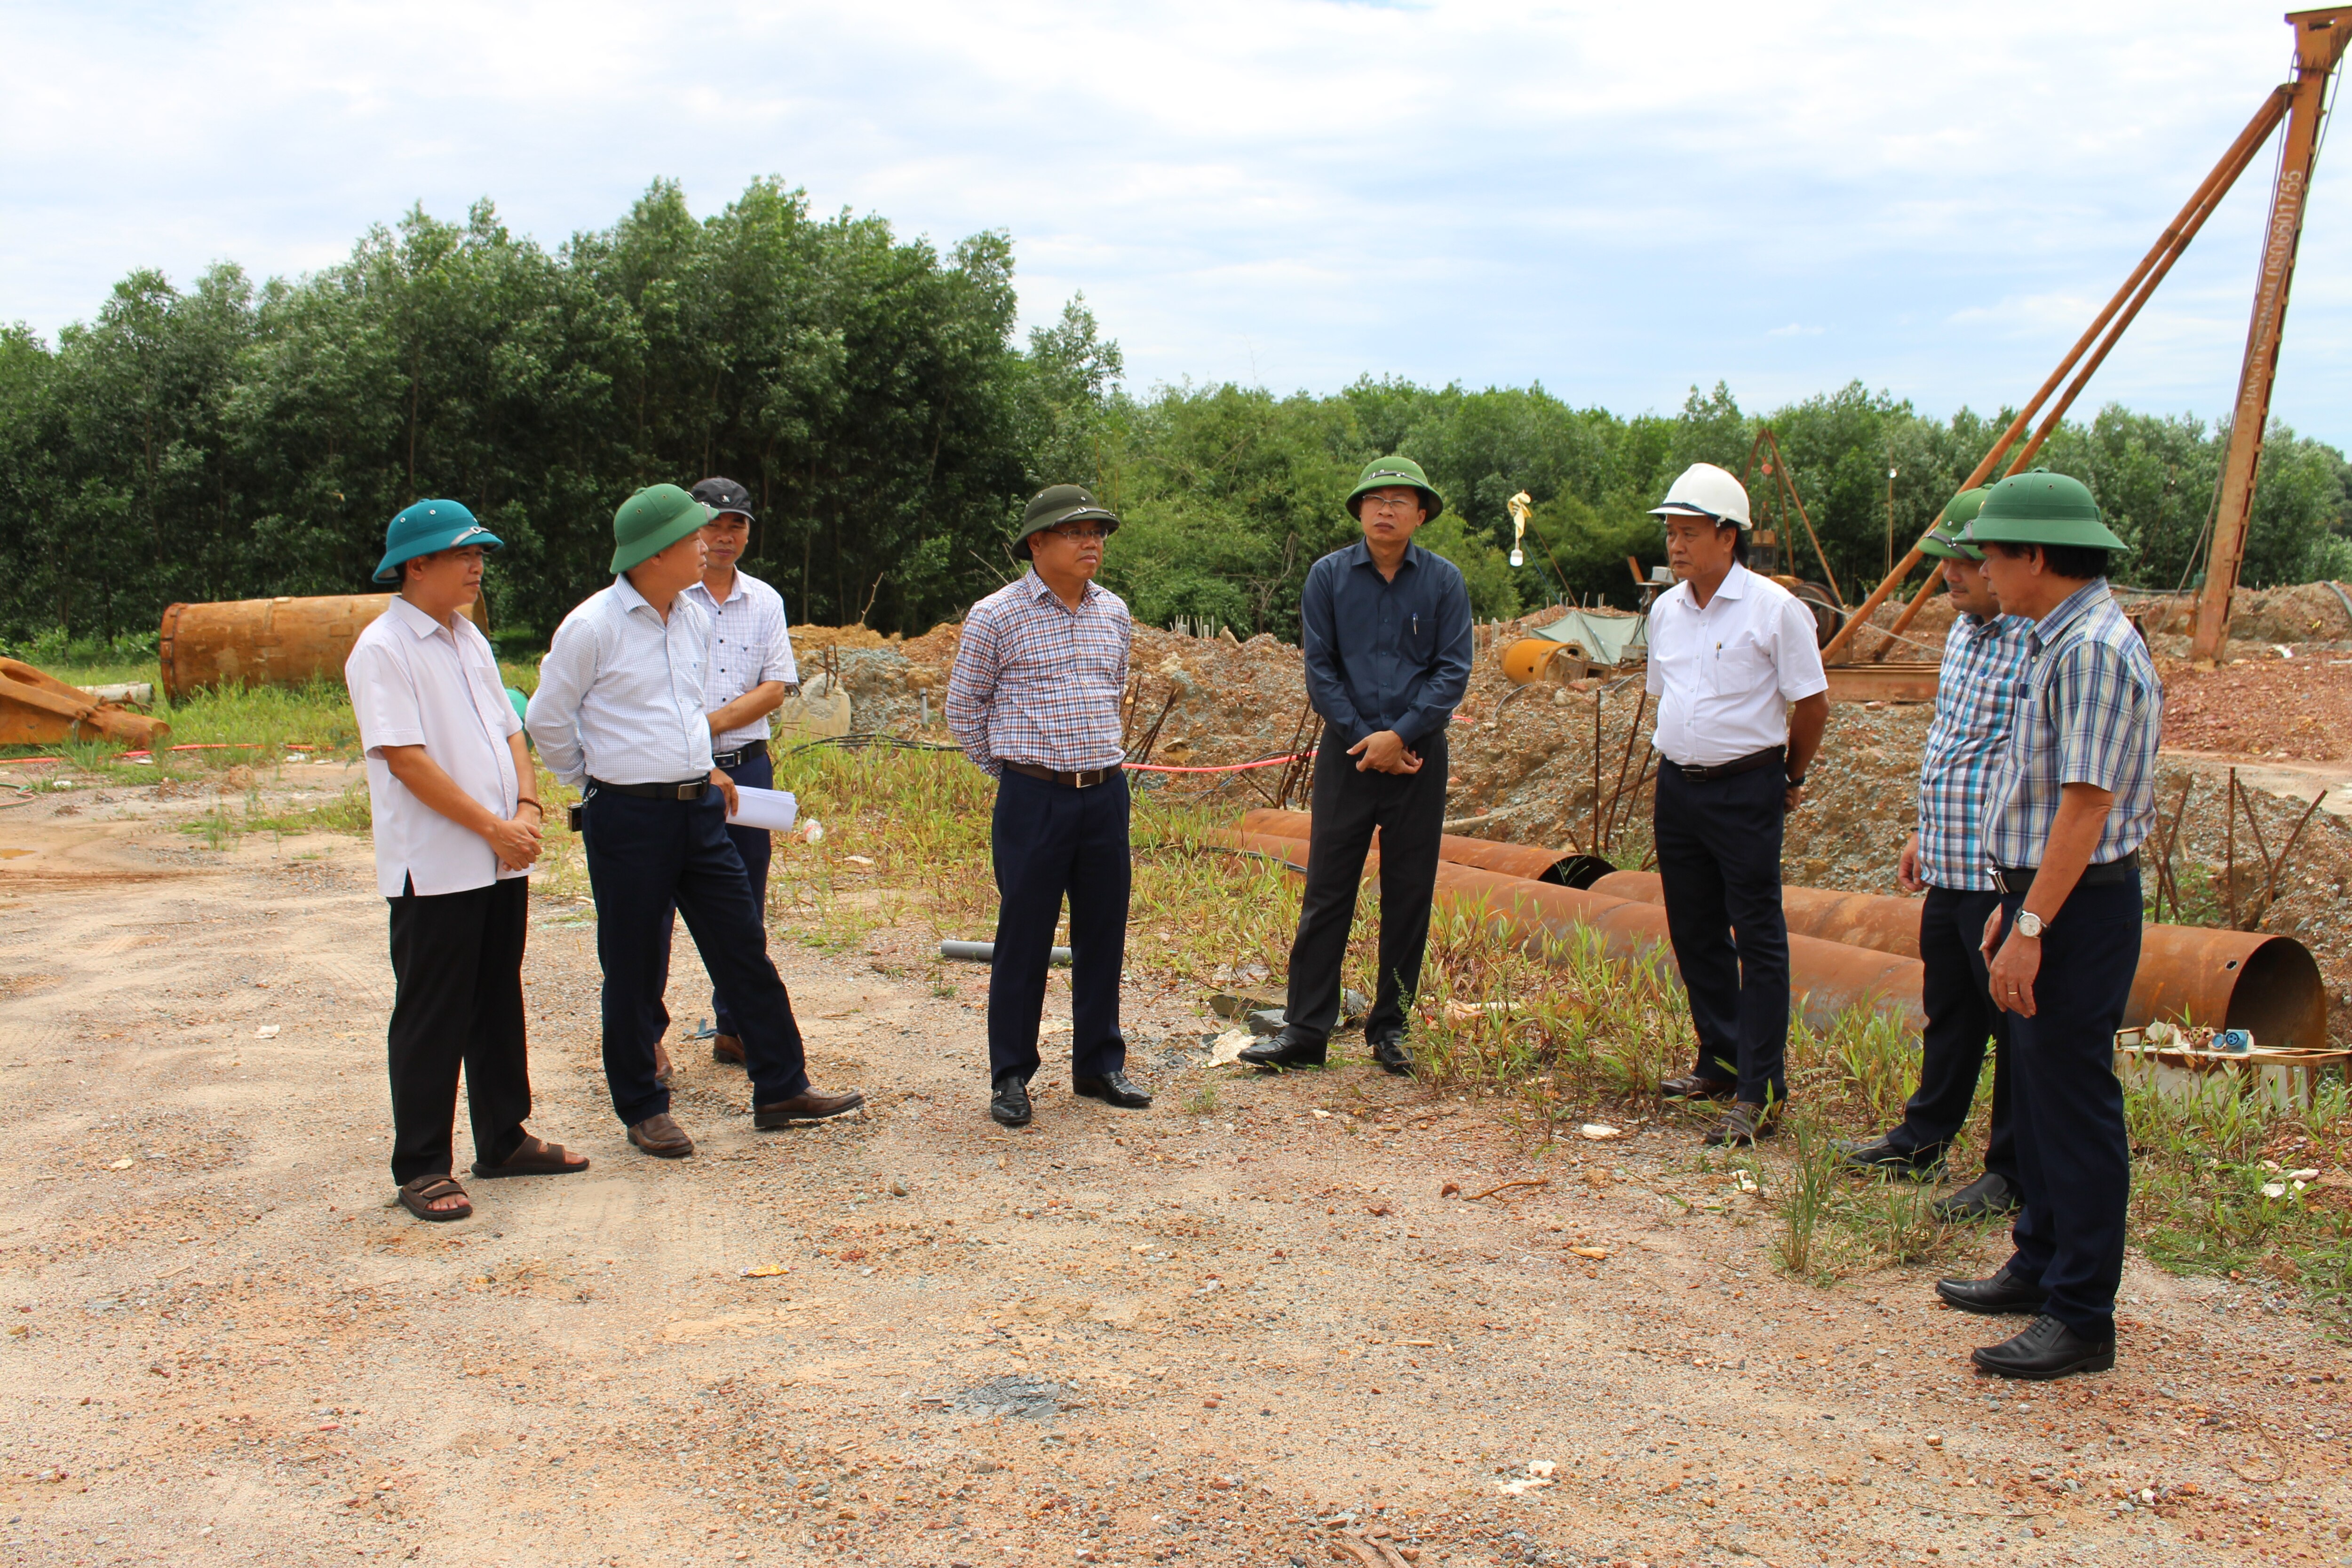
pixel 1978 689
pixel 2074 799
pixel 456 822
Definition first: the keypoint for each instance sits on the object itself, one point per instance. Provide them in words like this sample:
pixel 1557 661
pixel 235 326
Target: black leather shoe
pixel 1879 1155
pixel 1991 1298
pixel 1389 1051
pixel 1114 1088
pixel 1690 1086
pixel 1010 1104
pixel 1284 1050
pixel 1987 1196
pixel 2048 1349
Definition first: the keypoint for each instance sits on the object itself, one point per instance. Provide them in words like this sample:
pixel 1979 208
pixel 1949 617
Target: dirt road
pixel 1237 1333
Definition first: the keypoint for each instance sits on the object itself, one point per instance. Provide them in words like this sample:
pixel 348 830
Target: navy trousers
pixel 1960 1019
pixel 2073 1153
pixel 756 849
pixel 645 856
pixel 457 1001
pixel 1049 842
pixel 1409 810
pixel 1719 858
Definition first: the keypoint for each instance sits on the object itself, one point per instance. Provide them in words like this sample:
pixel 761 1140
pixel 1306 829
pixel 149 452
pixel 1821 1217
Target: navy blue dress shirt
pixel 1385 653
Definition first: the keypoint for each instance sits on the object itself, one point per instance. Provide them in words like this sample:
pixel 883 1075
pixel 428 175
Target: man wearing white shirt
pixel 1736 666
pixel 456 826
pixel 751 673
pixel 619 713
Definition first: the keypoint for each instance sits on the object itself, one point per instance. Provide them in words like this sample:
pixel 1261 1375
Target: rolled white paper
pixel 773 809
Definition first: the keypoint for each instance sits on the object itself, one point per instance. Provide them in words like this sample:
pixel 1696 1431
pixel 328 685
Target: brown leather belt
pixel 1085 780
pixel 1746 764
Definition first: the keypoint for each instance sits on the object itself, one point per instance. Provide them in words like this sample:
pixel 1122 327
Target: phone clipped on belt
pixel 575 815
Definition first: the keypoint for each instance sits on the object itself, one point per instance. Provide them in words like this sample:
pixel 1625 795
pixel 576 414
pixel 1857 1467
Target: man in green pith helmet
pixel 1385 628
pixel 1977 690
pixel 2072 801
pixel 619 714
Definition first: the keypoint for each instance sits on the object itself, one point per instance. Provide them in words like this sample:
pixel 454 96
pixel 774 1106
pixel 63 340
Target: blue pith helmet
pixel 428 526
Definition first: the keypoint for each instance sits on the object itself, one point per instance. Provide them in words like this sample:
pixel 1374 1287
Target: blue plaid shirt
pixel 2093 712
pixel 1977 690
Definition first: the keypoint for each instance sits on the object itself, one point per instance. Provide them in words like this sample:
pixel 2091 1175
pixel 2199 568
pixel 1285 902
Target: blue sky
pixel 1617 201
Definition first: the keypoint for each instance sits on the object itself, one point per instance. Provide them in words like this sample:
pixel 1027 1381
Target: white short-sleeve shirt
pixel 750 644
pixel 415 682
pixel 1724 676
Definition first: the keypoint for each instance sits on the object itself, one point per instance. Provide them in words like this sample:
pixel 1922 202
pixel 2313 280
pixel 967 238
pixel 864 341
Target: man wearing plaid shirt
pixel 2074 800
pixel 1033 702
pixel 1977 693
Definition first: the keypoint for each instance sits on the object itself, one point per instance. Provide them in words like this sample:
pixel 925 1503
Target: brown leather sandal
pixel 419 1192
pixel 536 1157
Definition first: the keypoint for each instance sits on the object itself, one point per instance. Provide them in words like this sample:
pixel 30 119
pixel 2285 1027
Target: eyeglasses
pixel 1080 530
pixel 1391 504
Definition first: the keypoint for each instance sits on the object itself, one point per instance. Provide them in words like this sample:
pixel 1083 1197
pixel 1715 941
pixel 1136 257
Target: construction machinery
pixel 2301 106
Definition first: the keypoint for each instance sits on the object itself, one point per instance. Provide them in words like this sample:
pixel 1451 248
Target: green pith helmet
pixel 1944 542
pixel 651 521
pixel 1382 472
pixel 1054 506
pixel 2040 507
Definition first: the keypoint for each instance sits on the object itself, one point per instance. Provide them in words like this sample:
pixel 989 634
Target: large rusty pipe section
pixel 2255 981
pixel 269 642
pixel 1827 979
pixel 1532 861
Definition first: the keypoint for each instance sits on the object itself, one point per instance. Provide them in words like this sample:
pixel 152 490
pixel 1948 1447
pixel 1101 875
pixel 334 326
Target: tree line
pixel 230 440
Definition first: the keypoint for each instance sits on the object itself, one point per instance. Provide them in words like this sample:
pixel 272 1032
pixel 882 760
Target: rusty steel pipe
pixel 1826 978
pixel 2255 981
pixel 1534 862
pixel 269 642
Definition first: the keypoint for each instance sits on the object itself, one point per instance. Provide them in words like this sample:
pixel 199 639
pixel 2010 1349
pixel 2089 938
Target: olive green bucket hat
pixel 2040 507
pixel 1054 506
pixel 1382 472
pixel 1944 542
pixel 651 521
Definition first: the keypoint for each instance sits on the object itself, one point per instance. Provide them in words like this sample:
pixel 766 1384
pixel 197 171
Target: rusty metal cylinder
pixel 269 642
pixel 2256 981
pixel 1528 658
pixel 1530 860
pixel 1826 978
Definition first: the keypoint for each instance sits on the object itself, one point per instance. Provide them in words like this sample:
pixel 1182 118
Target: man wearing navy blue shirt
pixel 1385 627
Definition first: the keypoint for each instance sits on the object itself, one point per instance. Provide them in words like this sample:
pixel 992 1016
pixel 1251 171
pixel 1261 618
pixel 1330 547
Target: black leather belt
pixel 692 789
pixel 1746 764
pixel 739 755
pixel 1085 780
pixel 2013 880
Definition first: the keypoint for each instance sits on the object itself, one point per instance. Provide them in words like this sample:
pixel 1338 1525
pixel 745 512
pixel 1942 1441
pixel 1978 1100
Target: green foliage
pixel 227 440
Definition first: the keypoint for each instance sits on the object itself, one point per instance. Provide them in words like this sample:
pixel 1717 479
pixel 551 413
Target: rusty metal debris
pixel 267 642
pixel 37 709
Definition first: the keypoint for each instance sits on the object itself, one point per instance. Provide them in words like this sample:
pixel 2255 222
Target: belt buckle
pixel 1078 779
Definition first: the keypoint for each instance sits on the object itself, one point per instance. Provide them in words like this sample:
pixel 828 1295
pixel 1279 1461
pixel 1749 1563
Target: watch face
pixel 2028 925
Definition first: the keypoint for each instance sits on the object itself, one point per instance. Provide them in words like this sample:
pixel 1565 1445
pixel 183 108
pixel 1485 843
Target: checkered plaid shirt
pixel 2093 712
pixel 1976 694
pixel 1038 682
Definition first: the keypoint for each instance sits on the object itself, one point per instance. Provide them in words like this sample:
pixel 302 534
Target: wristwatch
pixel 2031 924
pixel 1796 781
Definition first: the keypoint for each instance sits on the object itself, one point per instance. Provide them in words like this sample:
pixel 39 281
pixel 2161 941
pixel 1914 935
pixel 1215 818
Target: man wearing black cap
pixel 750 674
pixel 1034 701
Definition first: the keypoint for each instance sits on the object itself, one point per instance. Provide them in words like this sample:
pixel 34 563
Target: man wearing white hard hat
pixel 1736 666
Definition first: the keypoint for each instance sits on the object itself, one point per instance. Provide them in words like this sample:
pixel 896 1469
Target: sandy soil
pixel 1259 1335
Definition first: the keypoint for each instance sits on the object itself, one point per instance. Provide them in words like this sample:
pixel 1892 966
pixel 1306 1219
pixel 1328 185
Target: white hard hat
pixel 1707 490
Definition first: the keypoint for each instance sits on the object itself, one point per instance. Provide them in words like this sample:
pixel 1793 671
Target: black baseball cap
pixel 725 495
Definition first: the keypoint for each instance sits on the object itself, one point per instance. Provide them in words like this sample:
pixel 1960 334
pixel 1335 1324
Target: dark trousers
pixel 1960 1019
pixel 1409 810
pixel 456 965
pixel 2074 1153
pixel 756 849
pixel 1050 842
pixel 1719 858
pixel 645 856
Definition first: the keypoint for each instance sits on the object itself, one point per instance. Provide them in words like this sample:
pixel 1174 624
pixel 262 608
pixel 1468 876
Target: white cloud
pixel 1618 201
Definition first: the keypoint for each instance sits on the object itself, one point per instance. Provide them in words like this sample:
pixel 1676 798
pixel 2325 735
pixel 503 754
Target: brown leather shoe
pixel 727 1048
pixel 662 1137
pixel 663 1069
pixel 806 1106
pixel 1690 1086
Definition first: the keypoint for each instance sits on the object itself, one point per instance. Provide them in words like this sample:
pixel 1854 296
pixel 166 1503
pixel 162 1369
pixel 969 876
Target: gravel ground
pixel 1245 1329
